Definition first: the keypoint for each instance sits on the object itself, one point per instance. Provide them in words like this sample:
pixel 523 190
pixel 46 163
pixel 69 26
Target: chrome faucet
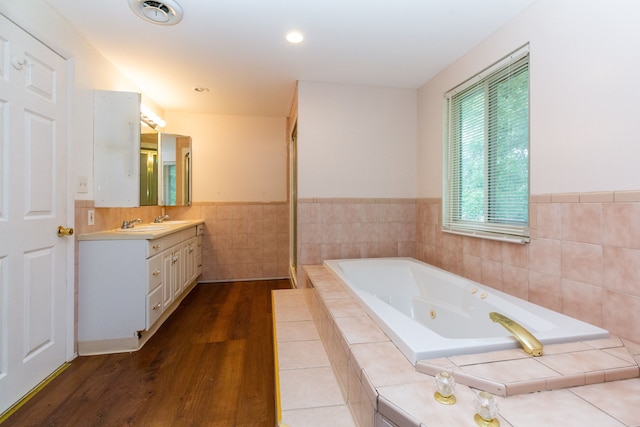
pixel 130 223
pixel 159 219
pixel 529 343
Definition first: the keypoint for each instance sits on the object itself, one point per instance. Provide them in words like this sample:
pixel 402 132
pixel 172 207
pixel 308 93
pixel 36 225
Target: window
pixel 486 153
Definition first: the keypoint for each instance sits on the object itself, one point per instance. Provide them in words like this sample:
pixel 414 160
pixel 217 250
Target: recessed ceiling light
pixel 295 37
pixel 164 12
pixel 201 89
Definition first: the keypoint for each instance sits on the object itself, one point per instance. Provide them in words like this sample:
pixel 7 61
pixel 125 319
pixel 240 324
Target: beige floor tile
pixel 293 314
pixel 334 416
pixel 620 399
pixel 510 371
pixel 347 307
pixel 385 365
pixel 553 408
pixel 296 331
pixel 583 361
pixel 565 348
pixel 309 388
pixel 493 356
pixel 360 330
pixel 301 354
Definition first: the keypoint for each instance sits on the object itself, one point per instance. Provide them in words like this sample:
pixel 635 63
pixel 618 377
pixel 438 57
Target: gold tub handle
pixel 530 344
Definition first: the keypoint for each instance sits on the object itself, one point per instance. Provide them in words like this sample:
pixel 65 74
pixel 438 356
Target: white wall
pixel 356 141
pixel 585 118
pixel 235 158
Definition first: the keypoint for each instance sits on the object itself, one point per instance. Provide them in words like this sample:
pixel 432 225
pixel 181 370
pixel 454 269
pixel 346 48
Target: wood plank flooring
pixel 210 364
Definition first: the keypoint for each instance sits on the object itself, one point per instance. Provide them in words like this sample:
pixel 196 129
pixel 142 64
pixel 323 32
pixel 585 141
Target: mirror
pixel 148 166
pixel 175 170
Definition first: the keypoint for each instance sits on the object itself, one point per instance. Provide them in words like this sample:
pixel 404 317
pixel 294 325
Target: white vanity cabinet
pixel 128 286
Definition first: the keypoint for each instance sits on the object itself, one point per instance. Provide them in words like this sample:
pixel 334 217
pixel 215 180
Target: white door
pixel 33 203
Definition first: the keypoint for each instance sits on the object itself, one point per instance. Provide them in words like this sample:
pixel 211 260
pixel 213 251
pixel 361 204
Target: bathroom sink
pixel 143 228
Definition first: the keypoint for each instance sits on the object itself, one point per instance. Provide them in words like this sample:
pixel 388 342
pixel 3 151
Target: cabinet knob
pixel 155 273
pixel 156 307
pixel 156 246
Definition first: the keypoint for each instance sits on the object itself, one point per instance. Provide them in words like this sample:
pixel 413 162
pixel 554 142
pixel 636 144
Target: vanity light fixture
pixel 165 12
pixel 151 118
pixel 295 37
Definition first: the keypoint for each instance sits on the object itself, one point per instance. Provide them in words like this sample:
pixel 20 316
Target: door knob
pixel 65 231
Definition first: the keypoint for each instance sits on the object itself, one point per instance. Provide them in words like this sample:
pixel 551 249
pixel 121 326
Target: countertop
pixel 144 231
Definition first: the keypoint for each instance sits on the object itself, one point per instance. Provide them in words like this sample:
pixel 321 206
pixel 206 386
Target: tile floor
pixel 359 382
pixel 309 392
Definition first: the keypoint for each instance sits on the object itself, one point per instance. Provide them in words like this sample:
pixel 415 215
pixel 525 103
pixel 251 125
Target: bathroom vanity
pixel 131 280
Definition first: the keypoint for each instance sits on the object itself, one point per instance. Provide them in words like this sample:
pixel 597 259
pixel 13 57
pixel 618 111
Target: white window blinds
pixel 486 153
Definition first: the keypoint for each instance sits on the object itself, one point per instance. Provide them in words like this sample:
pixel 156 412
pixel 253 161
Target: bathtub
pixel 429 313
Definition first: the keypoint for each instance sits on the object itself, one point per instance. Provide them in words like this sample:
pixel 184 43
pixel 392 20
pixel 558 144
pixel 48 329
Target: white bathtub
pixel 428 312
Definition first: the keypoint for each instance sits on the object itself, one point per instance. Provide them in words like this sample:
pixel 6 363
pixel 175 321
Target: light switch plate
pixel 91 217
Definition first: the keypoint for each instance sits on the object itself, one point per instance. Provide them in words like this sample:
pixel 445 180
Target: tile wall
pixel 355 228
pixel 583 258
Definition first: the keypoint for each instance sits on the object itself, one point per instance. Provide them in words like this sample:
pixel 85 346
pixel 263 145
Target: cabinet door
pixel 191 263
pixel 177 270
pixel 167 278
pixel 198 259
pixel 116 149
pixel 184 266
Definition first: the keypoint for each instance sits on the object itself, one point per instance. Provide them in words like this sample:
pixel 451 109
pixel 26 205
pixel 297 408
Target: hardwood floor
pixel 210 364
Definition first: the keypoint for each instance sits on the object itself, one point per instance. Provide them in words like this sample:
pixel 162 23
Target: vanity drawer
pixel 154 247
pixel 154 272
pixel 154 306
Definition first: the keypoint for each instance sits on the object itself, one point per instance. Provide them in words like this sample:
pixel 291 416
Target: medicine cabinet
pixel 116 148
pixel 134 165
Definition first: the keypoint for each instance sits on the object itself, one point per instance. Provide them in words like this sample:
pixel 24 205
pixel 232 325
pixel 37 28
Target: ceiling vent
pixel 165 12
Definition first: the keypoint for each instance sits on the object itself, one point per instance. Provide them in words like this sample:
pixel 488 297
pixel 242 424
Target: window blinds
pixel 486 152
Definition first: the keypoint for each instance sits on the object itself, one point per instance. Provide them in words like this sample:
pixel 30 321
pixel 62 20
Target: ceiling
pixel 237 48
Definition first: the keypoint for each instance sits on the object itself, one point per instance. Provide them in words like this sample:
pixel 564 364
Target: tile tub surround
pixel 512 372
pixel 582 260
pixel 377 380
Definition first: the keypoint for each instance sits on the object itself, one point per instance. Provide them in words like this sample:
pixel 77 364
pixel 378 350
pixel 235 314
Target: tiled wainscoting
pixel 241 240
pixel 381 388
pixel 583 259
pixel 355 228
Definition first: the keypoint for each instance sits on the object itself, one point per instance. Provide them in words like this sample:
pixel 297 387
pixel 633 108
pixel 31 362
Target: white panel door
pixel 33 203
